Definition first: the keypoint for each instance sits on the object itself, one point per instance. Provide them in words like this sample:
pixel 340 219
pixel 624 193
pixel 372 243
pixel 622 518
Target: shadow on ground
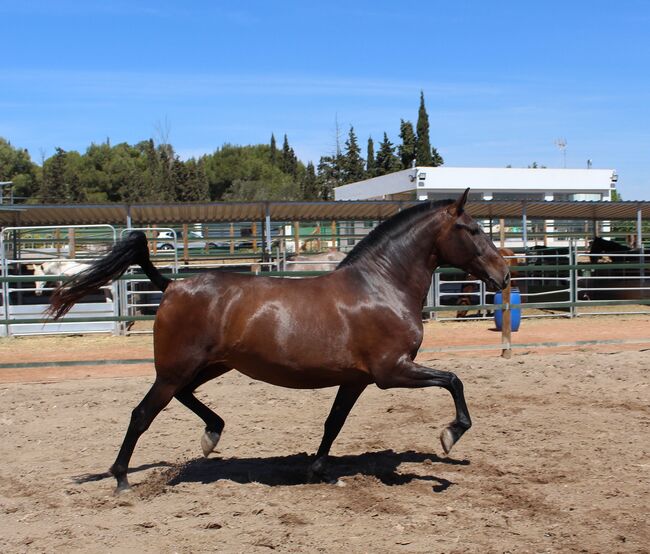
pixel 293 469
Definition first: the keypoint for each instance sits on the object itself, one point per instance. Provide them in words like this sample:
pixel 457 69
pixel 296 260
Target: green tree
pixel 53 187
pixel 386 161
pixel 353 164
pixel 407 150
pixel 370 158
pixel 423 150
pixel 16 166
pixel 288 160
pixel 274 151
pixel 309 185
pixel 330 175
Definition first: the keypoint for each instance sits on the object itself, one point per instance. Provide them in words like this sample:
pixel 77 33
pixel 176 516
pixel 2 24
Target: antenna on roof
pixel 561 144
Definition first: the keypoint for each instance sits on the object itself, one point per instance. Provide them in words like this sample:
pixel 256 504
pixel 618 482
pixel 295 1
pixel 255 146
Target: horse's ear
pixel 458 207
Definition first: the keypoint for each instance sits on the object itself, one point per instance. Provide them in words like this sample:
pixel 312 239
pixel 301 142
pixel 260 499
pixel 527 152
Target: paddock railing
pixel 558 282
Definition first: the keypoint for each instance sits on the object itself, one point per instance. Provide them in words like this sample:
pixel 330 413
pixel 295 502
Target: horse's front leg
pixel 345 399
pixel 408 374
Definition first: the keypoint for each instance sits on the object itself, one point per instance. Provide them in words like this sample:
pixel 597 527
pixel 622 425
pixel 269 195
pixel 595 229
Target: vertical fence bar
pixel 5 284
pixel 506 325
pixel 573 278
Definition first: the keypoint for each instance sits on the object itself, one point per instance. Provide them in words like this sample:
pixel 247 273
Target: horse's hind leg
pixel 213 423
pixel 154 401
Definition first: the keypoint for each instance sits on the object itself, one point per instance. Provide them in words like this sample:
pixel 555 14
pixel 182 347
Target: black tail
pixel 132 250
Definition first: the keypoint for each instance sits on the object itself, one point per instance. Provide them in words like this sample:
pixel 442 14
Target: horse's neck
pixel 410 269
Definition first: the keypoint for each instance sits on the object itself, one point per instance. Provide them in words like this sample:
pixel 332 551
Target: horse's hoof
pixel 209 442
pixel 121 490
pixel 447 439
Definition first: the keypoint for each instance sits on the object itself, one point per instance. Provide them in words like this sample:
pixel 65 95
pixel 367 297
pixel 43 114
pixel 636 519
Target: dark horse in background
pixel 358 325
pixel 615 283
pixel 601 248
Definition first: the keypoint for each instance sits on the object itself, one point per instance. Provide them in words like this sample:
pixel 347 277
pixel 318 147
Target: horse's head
pixel 38 285
pixel 463 244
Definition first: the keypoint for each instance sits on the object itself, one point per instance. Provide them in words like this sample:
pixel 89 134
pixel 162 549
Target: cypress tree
pixel 370 159
pixel 408 146
pixel 274 151
pixel 423 151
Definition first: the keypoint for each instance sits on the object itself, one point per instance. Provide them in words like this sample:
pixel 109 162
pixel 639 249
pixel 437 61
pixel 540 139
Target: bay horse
pixel 355 326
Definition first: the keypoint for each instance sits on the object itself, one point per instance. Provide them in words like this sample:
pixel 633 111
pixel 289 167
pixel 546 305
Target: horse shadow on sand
pixel 293 469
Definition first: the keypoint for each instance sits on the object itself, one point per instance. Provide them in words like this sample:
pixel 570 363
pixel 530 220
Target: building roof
pixel 214 212
pixel 479 179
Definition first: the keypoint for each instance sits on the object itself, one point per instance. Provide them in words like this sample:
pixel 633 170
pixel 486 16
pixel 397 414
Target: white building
pixel 490 183
pixel 486 183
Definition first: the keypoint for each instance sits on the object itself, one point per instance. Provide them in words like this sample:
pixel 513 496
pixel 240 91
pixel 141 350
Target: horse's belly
pixel 297 377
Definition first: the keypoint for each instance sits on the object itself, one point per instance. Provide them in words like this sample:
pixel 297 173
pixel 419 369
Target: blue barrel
pixel 515 315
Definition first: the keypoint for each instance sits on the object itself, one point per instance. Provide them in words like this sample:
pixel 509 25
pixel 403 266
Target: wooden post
pixel 72 243
pixel 185 245
pixel 502 232
pixel 57 241
pixel 205 232
pixel 506 325
pixel 317 233
pixel 232 239
pixel 296 236
pixel 334 241
pixel 254 235
pixel 154 242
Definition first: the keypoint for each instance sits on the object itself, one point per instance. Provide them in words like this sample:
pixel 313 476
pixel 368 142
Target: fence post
pixel 186 255
pixel 72 243
pixel 573 278
pixel 506 326
pixel 436 293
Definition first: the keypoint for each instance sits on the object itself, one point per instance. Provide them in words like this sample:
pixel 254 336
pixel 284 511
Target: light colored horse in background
pixel 61 268
pixel 327 261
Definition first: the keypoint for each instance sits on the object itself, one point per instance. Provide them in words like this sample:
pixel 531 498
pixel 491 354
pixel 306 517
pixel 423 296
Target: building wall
pixel 490 183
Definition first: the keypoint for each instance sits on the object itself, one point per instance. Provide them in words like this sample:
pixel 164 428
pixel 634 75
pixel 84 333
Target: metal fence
pixel 552 282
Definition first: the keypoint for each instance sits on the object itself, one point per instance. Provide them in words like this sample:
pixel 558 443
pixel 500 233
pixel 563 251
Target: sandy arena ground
pixel 558 459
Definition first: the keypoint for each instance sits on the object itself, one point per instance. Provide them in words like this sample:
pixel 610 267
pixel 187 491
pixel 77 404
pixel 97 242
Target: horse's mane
pixel 391 233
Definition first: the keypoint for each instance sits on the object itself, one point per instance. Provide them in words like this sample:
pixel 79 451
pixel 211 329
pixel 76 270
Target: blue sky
pixel 502 80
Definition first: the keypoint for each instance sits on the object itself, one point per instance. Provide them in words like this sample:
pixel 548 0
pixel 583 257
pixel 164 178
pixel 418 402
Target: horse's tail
pixel 131 250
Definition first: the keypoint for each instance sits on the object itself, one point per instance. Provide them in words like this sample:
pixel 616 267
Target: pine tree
pixel 309 184
pixel 53 187
pixel 330 175
pixel 386 161
pixel 436 158
pixel 288 161
pixel 370 159
pixel 352 161
pixel 408 147
pixel 180 176
pixel 423 151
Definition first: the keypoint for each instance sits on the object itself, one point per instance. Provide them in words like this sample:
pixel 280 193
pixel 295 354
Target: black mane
pixel 388 231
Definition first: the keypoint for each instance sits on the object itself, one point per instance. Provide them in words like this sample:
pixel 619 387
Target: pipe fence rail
pixel 552 282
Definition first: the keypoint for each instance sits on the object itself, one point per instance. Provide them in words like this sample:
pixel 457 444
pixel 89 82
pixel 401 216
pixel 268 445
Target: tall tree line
pixel 153 172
